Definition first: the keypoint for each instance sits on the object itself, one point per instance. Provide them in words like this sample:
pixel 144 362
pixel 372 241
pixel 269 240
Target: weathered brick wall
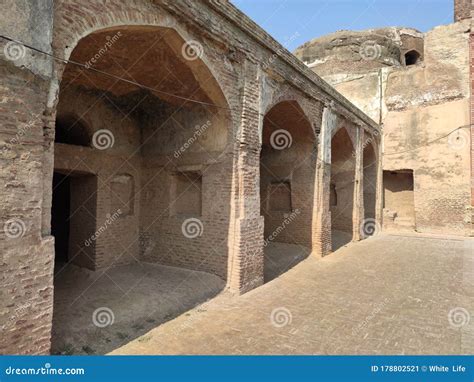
pixel 295 166
pixel 26 258
pixel 238 57
pixel 297 124
pixel 462 9
pixel 425 124
pixel 118 241
pixel 167 234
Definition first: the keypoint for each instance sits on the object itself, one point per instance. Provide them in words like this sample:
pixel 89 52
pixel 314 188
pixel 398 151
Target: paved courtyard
pixel 384 295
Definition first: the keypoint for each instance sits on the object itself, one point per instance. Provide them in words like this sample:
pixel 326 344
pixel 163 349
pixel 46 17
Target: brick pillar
pixel 246 254
pixel 322 242
pixel 358 204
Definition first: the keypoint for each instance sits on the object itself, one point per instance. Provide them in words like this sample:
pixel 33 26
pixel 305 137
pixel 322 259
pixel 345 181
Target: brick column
pixel 322 242
pixel 246 252
pixel 358 204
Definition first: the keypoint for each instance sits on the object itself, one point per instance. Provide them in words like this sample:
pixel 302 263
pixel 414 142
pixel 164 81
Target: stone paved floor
pixel 384 295
pixel 280 257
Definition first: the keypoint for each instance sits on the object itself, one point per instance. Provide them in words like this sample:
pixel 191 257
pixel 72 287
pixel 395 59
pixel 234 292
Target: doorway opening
pixel 342 188
pixel 73 219
pixel 370 184
pixel 399 200
pixel 60 217
pixel 287 161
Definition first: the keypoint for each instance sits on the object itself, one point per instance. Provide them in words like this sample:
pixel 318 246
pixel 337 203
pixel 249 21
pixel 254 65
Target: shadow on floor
pixel 281 257
pixel 340 239
pixel 96 312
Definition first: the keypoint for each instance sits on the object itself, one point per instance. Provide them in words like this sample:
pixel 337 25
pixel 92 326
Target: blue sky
pixel 293 22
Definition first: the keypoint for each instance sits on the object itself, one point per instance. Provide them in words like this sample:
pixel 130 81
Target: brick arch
pixel 75 20
pixel 283 99
pixel 374 143
pixel 285 93
pixel 349 131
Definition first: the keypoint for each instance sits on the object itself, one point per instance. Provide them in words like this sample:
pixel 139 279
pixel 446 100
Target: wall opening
pixel 399 200
pixel 187 193
pixel 342 181
pixel 60 217
pixel 158 158
pixel 279 197
pixel 122 195
pixel 332 195
pixel 73 218
pixel 370 182
pixel 72 131
pixel 412 58
pixel 287 163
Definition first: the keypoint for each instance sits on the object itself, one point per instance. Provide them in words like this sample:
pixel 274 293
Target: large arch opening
pixel 370 186
pixel 287 164
pixel 162 186
pixel 342 186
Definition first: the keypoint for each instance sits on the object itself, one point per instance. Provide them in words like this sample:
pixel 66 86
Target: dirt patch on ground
pixel 96 312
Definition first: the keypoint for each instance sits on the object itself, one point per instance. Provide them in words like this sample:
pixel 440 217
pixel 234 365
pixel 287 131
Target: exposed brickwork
pixel 462 9
pixel 26 261
pixel 242 70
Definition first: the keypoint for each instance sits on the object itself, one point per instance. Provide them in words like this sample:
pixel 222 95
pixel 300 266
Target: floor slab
pixel 281 257
pixel 383 295
pixel 96 312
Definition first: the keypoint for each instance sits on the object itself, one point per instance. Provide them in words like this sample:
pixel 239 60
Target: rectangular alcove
pixel 186 193
pixel 122 191
pixel 399 197
pixel 279 196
